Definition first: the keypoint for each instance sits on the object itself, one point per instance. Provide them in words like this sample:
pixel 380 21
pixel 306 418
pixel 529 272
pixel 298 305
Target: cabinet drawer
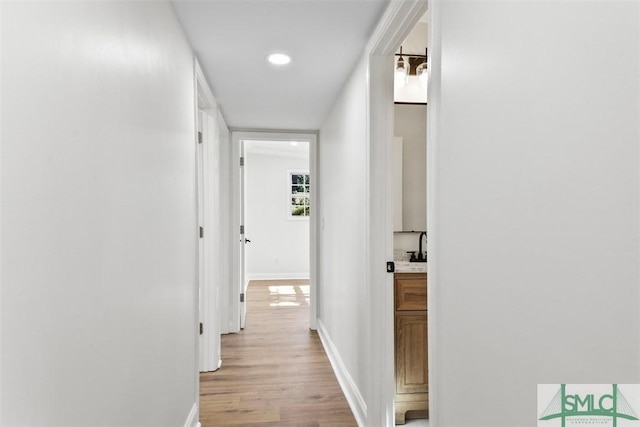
pixel 410 291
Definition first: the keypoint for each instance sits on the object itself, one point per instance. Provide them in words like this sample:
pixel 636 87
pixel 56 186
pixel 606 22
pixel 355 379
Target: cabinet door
pixel 411 352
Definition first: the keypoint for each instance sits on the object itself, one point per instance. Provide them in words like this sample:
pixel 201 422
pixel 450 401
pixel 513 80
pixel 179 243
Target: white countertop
pixel 411 267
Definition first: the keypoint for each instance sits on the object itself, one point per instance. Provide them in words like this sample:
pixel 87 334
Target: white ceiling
pixel 232 38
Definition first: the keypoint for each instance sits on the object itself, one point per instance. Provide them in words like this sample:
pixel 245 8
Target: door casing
pixel 236 284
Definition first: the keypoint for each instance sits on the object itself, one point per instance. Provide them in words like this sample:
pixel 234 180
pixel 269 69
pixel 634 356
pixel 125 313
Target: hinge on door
pixel 391 267
pixel 241 161
pixel 241 297
pixel 201 232
pixel 199 137
pixel 242 229
pixel 201 328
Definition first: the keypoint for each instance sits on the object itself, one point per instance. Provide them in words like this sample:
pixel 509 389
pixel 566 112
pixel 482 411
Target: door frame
pixel 207 121
pixel 236 287
pixel 397 21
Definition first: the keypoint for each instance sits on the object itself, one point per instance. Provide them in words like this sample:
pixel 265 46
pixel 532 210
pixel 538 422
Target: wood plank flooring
pixel 275 372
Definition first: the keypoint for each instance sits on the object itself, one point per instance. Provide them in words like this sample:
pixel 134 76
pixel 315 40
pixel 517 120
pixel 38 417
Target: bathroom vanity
pixel 410 300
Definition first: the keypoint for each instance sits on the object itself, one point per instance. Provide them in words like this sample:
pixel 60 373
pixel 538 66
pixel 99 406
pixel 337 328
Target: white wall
pixel 533 148
pixel 407 242
pixel 279 245
pixel 98 266
pixel 342 229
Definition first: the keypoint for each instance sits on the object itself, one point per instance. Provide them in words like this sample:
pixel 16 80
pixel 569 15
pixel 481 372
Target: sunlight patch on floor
pixel 282 290
pixel 284 304
pixel 289 295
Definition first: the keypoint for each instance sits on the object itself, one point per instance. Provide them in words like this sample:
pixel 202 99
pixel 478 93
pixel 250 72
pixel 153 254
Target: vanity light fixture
pixel 411 71
pixel 279 58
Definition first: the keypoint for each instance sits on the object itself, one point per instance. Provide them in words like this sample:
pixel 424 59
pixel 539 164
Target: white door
pixel 201 260
pixel 243 242
pixel 209 242
pixel 212 232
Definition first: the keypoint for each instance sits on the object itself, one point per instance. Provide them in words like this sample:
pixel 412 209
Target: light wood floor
pixel 275 372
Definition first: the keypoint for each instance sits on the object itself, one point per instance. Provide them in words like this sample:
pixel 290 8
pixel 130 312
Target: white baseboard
pixel 192 419
pixel 277 276
pixel 349 388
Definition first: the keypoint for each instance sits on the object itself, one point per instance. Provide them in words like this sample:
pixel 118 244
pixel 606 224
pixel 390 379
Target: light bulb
pixel 402 72
pixel 423 75
pixel 400 79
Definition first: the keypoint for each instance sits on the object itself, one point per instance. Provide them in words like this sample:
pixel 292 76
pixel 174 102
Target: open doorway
pixel 276 219
pixel 410 228
pixel 275 197
pixel 396 24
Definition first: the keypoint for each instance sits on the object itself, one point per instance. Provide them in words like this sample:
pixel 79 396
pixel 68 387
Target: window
pixel 299 194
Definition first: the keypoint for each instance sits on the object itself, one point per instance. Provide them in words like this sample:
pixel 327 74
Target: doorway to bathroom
pixel 411 397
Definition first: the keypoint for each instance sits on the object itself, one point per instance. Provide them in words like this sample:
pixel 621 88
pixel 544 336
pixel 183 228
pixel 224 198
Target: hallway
pixel 275 372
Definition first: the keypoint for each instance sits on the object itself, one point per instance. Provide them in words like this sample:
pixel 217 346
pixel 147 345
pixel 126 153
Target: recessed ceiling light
pixel 279 58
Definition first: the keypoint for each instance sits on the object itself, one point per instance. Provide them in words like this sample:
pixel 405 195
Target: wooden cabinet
pixel 412 387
